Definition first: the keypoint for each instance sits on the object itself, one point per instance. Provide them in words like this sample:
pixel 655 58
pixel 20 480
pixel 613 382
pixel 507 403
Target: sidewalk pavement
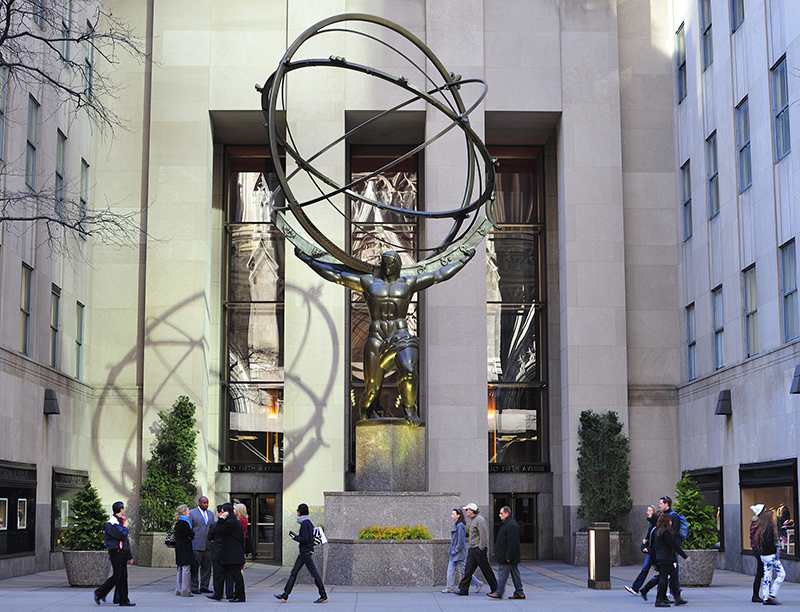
pixel 549 585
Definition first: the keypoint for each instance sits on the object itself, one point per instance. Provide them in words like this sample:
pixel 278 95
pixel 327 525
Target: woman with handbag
pixel 184 554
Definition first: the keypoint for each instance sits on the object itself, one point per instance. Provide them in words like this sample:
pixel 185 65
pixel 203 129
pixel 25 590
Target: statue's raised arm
pixel 423 281
pixel 329 273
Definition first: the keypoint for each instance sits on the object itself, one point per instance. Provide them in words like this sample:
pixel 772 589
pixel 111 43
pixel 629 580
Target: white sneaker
pixel 630 590
pixel 479 587
pixel 447 590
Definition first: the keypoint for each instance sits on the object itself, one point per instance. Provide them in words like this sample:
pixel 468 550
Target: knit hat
pixel 757 509
pixel 302 509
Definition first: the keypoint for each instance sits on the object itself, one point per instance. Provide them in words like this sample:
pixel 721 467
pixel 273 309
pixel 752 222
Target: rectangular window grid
pixel 743 145
pixel 737 14
pixel 691 344
pixel 26 287
pixel 705 22
pixel 88 61
pixel 718 327
pixel 686 199
pixel 680 53
pixel 780 110
pixel 33 143
pixel 84 197
pixel 61 171
pixel 55 324
pixel 66 29
pixel 750 311
pixel 80 313
pixel 791 326
pixel 3 105
pixel 713 175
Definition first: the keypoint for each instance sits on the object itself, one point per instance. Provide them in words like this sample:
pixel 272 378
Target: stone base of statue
pixel 390 456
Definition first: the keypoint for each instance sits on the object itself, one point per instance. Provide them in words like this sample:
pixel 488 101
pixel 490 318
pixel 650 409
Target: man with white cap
pixel 757 508
pixel 477 551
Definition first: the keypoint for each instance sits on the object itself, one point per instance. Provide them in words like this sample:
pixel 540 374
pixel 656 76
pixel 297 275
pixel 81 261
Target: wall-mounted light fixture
pixel 795 388
pixel 724 403
pixel 50 402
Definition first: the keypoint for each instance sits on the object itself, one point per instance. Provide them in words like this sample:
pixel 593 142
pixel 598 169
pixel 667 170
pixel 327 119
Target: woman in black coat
pixel 184 553
pixel 666 548
pixel 231 556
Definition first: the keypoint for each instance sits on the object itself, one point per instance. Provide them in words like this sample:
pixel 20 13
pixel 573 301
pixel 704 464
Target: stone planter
pixel 153 552
pixel 86 568
pixel 620 544
pixel 700 572
pixel 400 563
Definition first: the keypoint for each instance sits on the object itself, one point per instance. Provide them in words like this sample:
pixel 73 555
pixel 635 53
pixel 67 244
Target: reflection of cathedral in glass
pixel 254 311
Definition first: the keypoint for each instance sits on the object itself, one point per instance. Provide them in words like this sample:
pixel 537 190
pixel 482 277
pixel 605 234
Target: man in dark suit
pixel 231 555
pixel 202 518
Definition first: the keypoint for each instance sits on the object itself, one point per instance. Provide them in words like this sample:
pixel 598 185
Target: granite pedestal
pixel 390 456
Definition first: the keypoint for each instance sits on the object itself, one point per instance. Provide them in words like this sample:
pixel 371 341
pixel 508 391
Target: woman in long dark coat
pixel 184 554
pixel 667 546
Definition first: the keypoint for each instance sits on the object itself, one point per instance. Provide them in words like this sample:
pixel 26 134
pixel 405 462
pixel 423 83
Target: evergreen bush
pixel 170 479
pixel 604 469
pixel 418 532
pixel 701 519
pixel 88 524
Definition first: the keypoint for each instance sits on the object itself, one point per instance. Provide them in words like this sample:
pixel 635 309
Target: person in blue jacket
pixel 119 551
pixel 306 557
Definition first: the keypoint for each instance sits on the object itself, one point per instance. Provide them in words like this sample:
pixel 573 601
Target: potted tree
pixel 603 483
pixel 170 481
pixel 82 542
pixel 702 543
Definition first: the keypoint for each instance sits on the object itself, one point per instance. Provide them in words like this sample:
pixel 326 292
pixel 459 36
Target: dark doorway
pixel 260 523
pixel 523 510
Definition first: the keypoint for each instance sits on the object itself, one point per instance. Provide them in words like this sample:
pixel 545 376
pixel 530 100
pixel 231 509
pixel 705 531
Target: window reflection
pixel 255 425
pixel 513 336
pixel 255 342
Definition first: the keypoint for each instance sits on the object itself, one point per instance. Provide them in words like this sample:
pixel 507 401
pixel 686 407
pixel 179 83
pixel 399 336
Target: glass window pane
pixel 398 189
pixel 255 424
pixel 781 500
pixel 256 264
pixel 514 421
pixel 514 338
pixel 250 196
pixel 512 267
pixel 255 342
pixel 370 241
pixel 516 196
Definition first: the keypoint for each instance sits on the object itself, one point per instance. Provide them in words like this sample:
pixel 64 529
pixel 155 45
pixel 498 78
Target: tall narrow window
pixel 691 344
pixel 26 286
pixel 791 326
pixel 80 313
pixel 84 197
pixel 750 311
pixel 66 29
pixel 718 327
pixel 88 61
pixel 705 23
pixel 686 198
pixel 680 53
pixel 38 12
pixel 55 325
pixel 743 144
pixel 713 175
pixel 780 110
pixel 737 14
pixel 33 142
pixel 61 171
pixel 515 297
pixel 3 106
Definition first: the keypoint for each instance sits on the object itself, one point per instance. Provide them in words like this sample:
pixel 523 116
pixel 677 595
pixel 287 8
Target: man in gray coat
pixel 202 518
pixel 477 551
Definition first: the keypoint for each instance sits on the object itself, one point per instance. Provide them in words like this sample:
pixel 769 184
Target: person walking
pixel 305 556
pixel 231 556
pixel 666 547
pixel 652 517
pixel 756 598
pixel 477 556
pixel 119 552
pixel 184 555
pixel 767 543
pixel 458 552
pixel 202 519
pixel 508 554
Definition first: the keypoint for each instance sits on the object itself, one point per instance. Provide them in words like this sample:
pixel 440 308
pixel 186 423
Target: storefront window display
pixel 17 508
pixel 709 482
pixel 773 484
pixel 66 483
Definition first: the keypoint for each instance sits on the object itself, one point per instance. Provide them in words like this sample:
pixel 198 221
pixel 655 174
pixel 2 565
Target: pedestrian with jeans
pixel 306 556
pixel 652 517
pixel 119 552
pixel 458 552
pixel 767 543
pixel 477 553
pixel 507 554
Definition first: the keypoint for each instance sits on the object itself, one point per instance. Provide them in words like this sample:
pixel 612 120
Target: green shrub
pixel 604 469
pixel 418 532
pixel 701 520
pixel 88 524
pixel 170 479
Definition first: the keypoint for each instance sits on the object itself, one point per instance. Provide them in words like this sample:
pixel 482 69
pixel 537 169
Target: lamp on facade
pixel 795 388
pixel 724 403
pixel 50 402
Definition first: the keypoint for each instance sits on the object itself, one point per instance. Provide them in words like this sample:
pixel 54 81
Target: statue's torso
pixel 388 303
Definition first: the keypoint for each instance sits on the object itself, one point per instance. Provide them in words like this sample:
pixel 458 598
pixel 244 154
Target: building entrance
pixel 260 523
pixel 523 510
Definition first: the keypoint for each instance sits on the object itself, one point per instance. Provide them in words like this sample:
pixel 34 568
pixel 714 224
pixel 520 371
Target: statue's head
pixel 390 264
